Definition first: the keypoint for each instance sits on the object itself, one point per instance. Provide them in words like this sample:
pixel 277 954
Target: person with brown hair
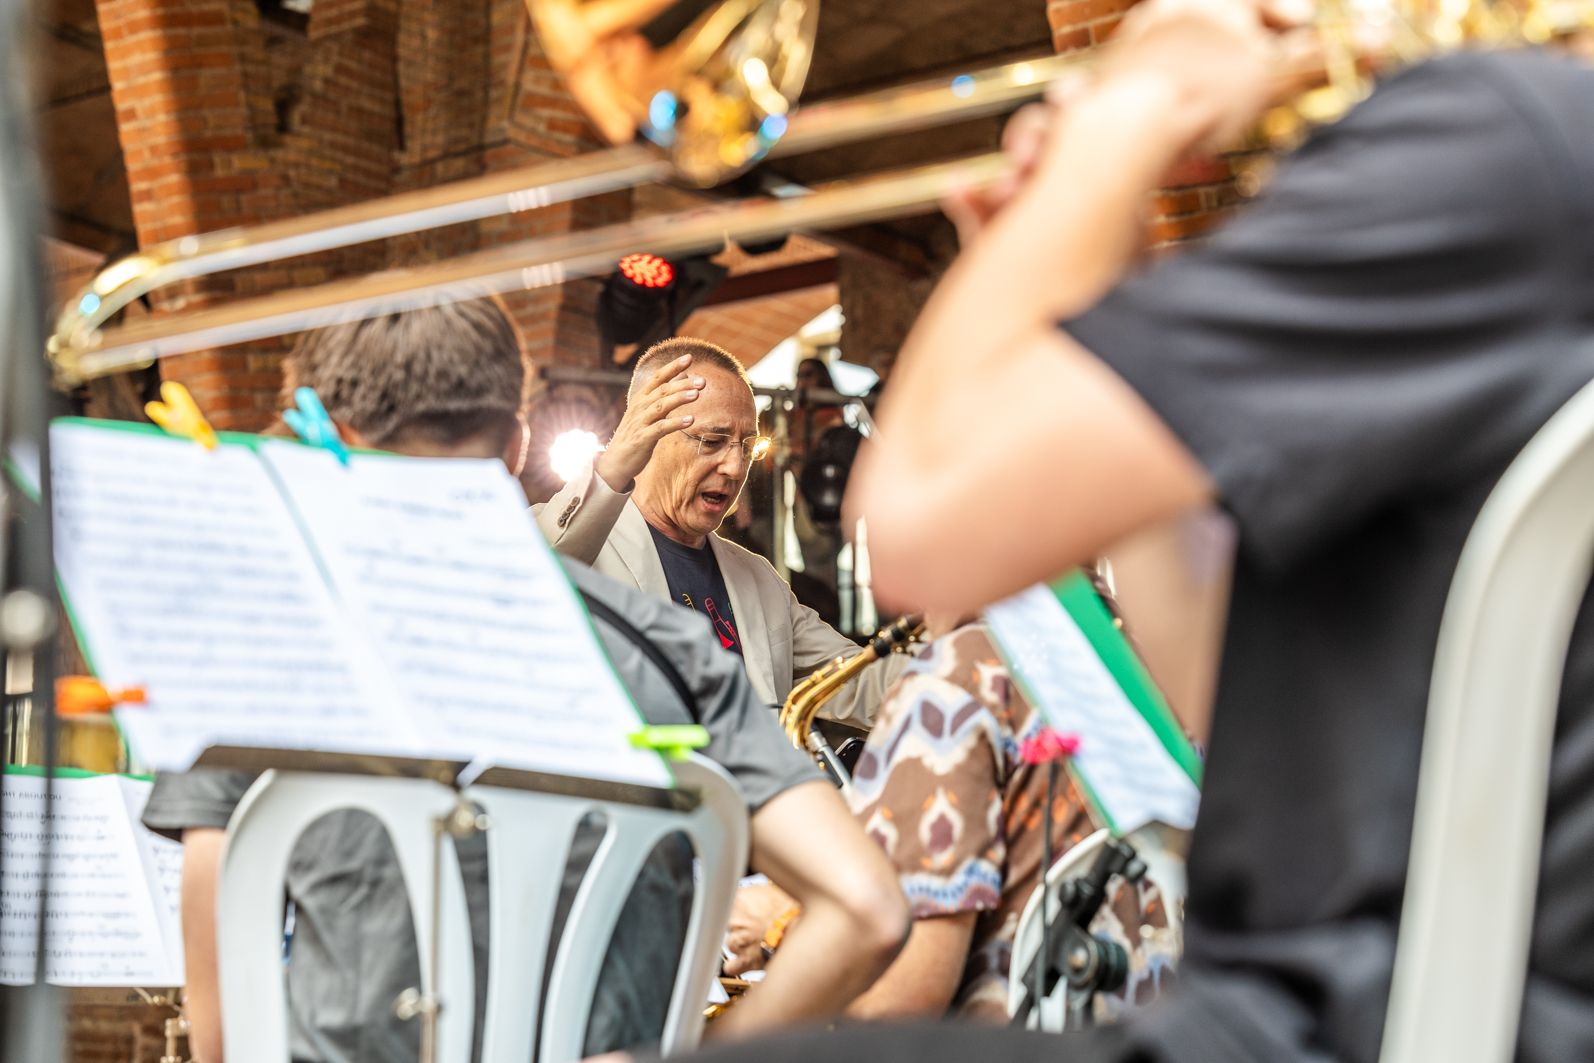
pixel 945 787
pixel 445 380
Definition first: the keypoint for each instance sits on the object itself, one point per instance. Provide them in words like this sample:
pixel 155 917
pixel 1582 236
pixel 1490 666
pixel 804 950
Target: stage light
pixel 647 271
pixel 648 296
pixel 636 297
pixel 572 452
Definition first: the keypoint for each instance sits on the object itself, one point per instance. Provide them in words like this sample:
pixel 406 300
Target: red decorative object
pixel 1047 745
pixel 647 271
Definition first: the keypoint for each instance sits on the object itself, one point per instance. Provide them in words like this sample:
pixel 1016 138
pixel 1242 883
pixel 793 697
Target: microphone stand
pixel 31 1026
pixel 1091 963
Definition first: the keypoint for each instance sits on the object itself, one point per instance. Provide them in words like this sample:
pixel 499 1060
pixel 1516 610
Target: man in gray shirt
pixel 353 948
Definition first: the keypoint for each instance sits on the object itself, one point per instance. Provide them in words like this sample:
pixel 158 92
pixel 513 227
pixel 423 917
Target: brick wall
pixel 1198 192
pixel 881 305
pixel 228 121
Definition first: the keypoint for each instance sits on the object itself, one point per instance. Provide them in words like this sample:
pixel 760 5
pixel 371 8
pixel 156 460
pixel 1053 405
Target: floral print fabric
pixel 941 787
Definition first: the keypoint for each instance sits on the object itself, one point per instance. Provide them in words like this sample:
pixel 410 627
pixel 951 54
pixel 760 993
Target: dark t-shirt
pixel 695 582
pixel 353 949
pixel 1355 360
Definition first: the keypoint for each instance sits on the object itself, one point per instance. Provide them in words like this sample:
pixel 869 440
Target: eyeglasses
pixel 753 447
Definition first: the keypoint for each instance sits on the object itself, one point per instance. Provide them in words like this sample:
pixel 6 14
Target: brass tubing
pixel 528 264
pixel 80 350
pixel 806 698
pixel 924 104
pixel 885 111
pixel 511 192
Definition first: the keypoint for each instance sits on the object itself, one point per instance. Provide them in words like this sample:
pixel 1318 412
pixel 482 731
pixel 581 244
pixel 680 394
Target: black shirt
pixel 1355 360
pixel 695 582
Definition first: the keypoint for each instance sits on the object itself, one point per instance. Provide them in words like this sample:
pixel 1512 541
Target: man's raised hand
pixel 650 415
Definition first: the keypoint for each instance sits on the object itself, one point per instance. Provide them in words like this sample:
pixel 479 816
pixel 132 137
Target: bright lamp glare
pixel 572 452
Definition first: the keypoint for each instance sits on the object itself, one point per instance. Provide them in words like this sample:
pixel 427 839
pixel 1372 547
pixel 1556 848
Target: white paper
pixel 1134 778
pixel 162 860
pixel 110 922
pixel 188 578
pixel 443 569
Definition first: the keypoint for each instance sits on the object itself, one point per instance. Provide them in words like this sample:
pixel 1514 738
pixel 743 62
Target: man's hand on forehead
pixel 650 415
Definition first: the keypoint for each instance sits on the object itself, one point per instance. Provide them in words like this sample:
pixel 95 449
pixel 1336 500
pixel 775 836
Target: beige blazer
pixel 782 639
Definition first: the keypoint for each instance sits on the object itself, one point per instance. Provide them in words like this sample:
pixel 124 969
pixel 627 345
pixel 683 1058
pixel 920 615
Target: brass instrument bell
pixel 713 84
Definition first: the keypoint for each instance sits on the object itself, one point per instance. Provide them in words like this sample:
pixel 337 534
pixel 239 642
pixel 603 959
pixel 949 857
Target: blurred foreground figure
pixel 1347 368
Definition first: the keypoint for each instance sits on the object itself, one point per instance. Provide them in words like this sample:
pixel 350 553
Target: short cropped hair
pixel 702 351
pixel 442 374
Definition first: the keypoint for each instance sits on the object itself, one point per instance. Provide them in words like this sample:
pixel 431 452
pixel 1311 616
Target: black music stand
pixel 1091 964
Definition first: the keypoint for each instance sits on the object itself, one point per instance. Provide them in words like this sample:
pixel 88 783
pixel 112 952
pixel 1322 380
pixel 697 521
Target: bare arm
pixel 202 849
pixel 925 977
pixel 854 915
pixel 997 425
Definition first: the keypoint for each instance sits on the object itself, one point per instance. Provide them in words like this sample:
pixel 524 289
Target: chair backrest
pixel 524 894
pixel 261 837
pixel 1461 958
pixel 1164 867
pixel 528 837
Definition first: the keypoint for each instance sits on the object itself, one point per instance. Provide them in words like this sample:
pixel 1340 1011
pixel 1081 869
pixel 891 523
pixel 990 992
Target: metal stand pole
pixel 31 1017
pixel 780 505
pixel 461 821
pixel 1090 964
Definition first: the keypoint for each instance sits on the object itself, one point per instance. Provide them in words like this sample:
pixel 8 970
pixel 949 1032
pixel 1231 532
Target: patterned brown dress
pixel 942 788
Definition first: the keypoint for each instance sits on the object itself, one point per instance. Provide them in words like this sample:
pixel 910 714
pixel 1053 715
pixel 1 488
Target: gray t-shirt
pixel 353 946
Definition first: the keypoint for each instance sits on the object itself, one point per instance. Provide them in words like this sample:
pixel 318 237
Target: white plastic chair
pixel 1164 867
pixel 524 893
pixel 528 837
pixel 1461 958
pixel 261 836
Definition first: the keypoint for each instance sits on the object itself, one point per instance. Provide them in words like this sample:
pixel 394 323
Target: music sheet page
pixel 162 860
pixel 1132 776
pixel 443 568
pixel 186 576
pixel 109 923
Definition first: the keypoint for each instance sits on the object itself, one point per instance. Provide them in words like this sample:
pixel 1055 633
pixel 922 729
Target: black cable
pixel 605 612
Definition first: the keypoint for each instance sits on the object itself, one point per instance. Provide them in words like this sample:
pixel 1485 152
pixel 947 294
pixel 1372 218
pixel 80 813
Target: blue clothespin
pixel 311 423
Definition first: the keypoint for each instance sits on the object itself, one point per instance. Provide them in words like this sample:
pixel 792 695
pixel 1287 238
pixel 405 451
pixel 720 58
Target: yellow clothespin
pixel 179 415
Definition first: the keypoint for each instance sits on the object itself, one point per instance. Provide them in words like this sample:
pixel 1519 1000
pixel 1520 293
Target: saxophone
pixel 804 702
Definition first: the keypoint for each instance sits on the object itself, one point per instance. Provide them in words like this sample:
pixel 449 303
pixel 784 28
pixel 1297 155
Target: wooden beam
pixel 90 234
pixel 775 281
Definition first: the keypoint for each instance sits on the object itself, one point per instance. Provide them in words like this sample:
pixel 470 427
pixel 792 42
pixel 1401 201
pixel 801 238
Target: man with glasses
pixel 647 514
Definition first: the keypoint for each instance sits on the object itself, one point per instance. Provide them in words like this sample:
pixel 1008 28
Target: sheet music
pixel 162 859
pixel 443 566
pixel 1134 778
pixel 188 578
pixel 109 923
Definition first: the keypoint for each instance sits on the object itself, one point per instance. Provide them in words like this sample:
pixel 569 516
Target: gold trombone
pixel 698 90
